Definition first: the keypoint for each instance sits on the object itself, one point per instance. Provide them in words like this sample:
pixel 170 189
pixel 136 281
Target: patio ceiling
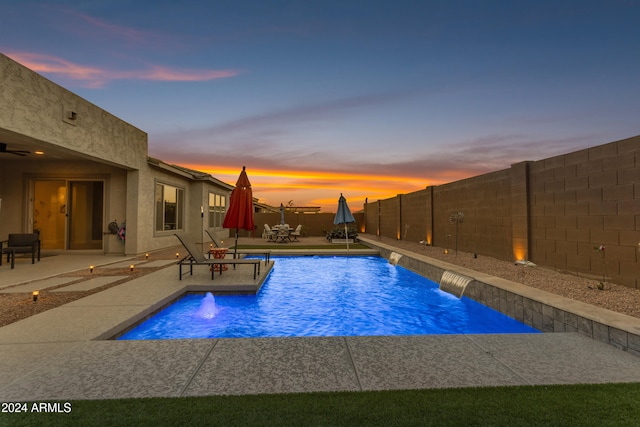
pixel 16 141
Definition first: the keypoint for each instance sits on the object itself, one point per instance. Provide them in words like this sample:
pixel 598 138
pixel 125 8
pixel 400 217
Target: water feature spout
pixel 208 309
pixel 394 258
pixel 454 283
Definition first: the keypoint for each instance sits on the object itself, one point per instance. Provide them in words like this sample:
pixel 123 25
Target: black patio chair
pixel 23 243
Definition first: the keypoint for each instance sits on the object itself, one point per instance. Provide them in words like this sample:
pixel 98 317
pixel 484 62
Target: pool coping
pixel 540 309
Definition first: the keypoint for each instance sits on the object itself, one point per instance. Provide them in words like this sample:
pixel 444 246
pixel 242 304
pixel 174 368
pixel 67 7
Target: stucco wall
pixel 142 215
pixel 94 144
pixel 17 213
pixel 33 106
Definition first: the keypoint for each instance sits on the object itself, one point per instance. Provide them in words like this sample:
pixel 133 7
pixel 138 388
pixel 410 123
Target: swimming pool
pixel 328 296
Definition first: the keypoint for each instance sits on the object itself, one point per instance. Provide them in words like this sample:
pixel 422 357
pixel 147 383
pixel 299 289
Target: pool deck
pixel 64 354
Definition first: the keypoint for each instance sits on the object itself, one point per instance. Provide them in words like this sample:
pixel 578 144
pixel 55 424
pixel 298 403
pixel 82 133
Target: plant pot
pixel 342 241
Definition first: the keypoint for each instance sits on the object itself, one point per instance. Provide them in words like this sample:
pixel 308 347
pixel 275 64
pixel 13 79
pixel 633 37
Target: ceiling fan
pixel 3 149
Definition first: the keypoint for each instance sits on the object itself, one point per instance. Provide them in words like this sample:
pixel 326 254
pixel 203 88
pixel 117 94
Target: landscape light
pixel 35 295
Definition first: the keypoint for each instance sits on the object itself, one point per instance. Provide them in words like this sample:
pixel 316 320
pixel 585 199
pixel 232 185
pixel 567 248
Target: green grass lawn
pixel 570 405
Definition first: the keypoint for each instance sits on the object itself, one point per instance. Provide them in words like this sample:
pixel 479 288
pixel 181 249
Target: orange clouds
pixel 317 188
pixel 94 77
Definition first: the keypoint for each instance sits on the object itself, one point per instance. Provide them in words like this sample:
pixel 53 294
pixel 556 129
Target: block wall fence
pixel 552 212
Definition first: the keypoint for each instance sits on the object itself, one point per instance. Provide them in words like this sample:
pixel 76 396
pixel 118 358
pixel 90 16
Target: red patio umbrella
pixel 240 212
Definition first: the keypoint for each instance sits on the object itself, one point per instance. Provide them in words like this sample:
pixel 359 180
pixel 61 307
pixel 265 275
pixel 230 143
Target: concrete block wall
pixel 413 212
pixel 552 212
pixel 389 218
pixel 585 199
pixel 485 202
pixel 371 217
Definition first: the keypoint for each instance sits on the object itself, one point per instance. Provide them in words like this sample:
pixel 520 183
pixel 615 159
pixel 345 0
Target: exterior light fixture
pixel 177 254
pixel 39 152
pixel 131 267
pixel 91 269
pixel 35 295
pixel 525 263
pixel 146 256
pixel 446 251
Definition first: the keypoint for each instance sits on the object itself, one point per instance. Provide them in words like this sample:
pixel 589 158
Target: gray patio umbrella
pixel 344 216
pixel 281 214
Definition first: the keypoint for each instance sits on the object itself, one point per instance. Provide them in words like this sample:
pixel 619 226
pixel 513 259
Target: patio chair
pixel 218 244
pixel 269 233
pixel 196 257
pixel 20 244
pixel 297 232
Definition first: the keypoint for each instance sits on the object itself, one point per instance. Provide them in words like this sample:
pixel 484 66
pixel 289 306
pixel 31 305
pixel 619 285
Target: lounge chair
pixel 218 244
pixel 20 244
pixel 297 232
pixel 196 257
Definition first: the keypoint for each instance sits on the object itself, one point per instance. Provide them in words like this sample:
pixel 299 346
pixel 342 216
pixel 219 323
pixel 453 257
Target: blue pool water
pixel 328 296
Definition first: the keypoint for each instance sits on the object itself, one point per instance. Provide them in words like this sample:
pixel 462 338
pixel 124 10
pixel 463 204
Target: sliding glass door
pixel 69 214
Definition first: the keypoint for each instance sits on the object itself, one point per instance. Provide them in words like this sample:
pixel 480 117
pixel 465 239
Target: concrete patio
pixel 65 353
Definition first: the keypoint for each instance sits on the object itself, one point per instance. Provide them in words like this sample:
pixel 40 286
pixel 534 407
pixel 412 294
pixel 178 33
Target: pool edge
pixel 542 310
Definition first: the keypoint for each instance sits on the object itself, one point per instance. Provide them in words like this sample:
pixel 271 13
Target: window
pixel 169 207
pixel 217 209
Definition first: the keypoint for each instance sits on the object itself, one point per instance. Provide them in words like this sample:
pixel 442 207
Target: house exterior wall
pixel 33 106
pixel 552 212
pixel 97 143
pixel 93 144
pixel 17 208
pixel 144 209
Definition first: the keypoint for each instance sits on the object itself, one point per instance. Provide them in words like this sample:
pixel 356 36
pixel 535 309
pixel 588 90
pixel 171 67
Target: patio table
pixel 218 253
pixel 282 233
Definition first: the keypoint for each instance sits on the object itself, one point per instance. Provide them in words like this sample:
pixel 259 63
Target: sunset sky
pixel 366 98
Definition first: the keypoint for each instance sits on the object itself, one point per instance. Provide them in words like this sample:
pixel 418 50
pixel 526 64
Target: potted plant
pixel 337 234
